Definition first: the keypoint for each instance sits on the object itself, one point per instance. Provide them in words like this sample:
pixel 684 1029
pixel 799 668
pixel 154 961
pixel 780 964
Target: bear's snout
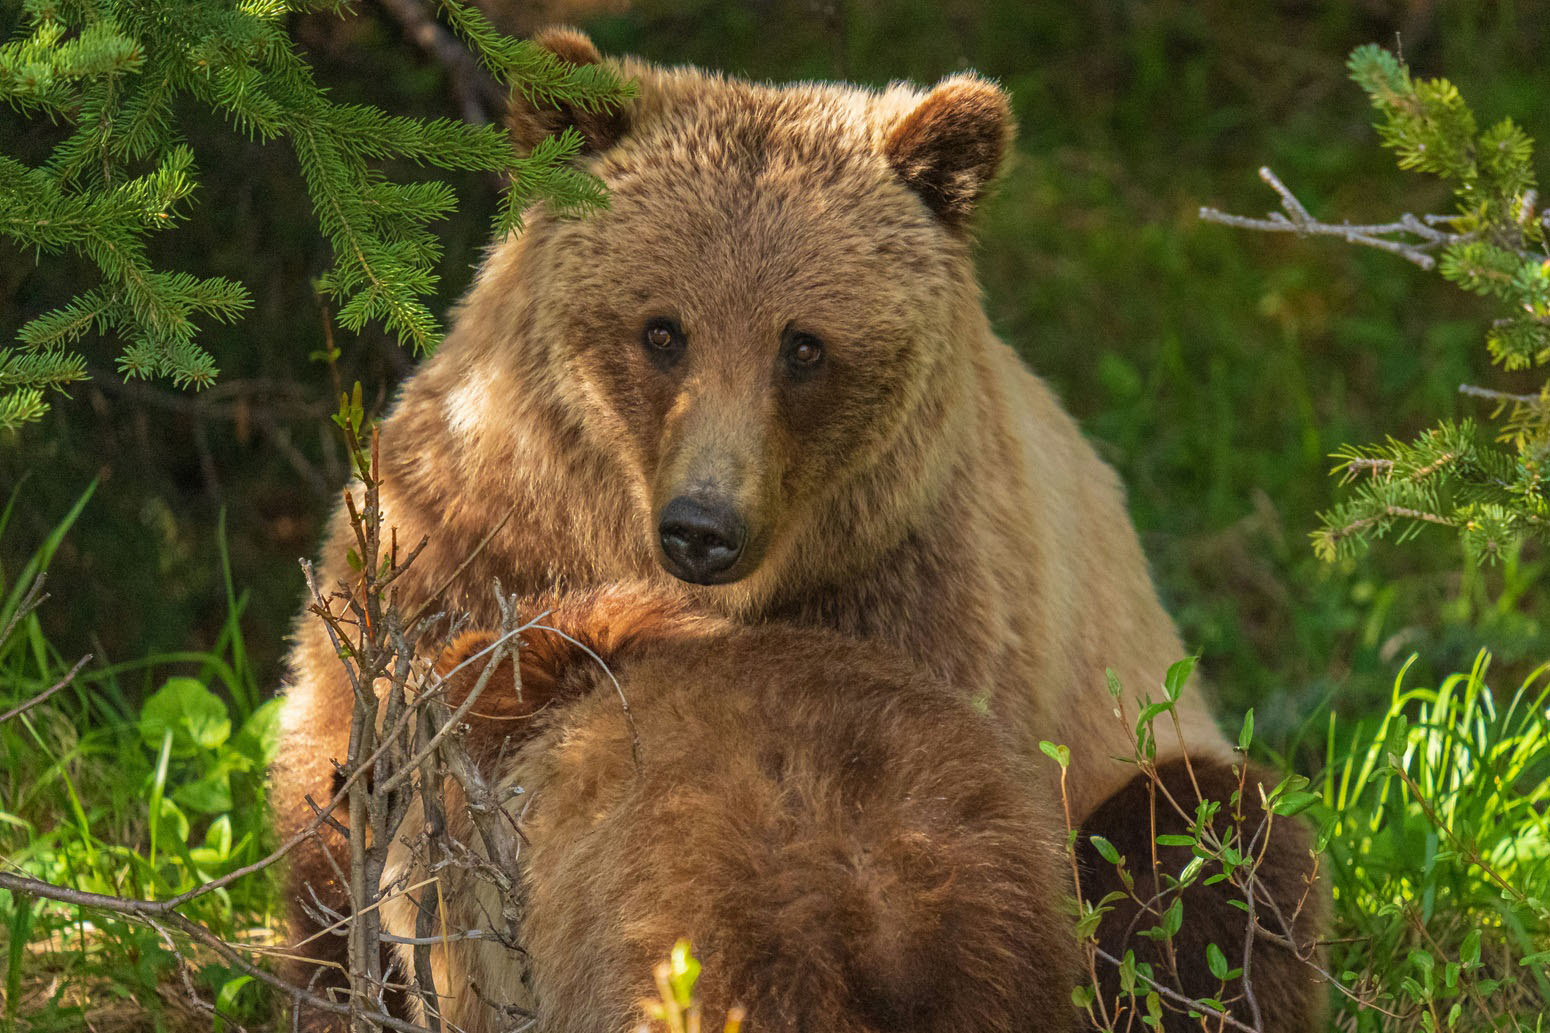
pixel 701 539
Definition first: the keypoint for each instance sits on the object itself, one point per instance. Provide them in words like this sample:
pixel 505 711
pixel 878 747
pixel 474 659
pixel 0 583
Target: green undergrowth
pixel 145 801
pixel 1438 849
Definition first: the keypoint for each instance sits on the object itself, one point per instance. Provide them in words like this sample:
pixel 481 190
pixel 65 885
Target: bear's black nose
pixel 700 539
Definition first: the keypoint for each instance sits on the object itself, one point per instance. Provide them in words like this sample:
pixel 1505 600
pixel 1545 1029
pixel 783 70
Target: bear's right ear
pixel 951 146
pixel 533 117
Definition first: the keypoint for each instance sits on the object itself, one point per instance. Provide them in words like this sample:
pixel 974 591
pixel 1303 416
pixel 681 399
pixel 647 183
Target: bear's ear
pixel 532 118
pixel 950 147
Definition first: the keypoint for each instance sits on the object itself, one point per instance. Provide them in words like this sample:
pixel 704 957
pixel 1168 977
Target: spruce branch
pixel 112 73
pixel 1494 494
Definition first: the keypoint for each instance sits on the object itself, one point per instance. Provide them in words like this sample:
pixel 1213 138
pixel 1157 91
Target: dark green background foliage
pixel 1216 369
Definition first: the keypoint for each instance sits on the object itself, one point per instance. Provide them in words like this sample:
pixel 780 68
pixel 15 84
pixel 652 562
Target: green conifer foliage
pixel 1491 488
pixel 112 72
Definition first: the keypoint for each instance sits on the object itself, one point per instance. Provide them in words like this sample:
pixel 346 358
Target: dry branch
pixel 1413 238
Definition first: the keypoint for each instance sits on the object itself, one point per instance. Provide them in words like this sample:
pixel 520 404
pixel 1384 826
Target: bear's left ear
pixel 532 118
pixel 950 147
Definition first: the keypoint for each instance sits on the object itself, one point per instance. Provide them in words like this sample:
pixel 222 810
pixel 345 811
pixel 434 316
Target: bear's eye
pixel 803 353
pixel 664 340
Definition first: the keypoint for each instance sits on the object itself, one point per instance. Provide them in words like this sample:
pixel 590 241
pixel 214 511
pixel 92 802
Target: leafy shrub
pixel 1434 820
pixel 98 797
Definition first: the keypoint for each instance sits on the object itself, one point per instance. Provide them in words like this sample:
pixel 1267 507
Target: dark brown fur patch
pixel 1291 997
pixel 951 146
pixel 849 846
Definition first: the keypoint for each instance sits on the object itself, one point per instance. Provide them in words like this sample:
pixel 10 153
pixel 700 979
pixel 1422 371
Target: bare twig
pixel 46 693
pixel 1536 401
pixel 1178 998
pixel 30 600
pixel 1410 237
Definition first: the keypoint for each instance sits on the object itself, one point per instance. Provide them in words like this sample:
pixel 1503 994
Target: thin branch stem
pixel 46 693
pixel 1410 237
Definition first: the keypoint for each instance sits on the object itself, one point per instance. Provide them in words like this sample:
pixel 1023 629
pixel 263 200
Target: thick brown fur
pixel 921 488
pixel 847 844
pixel 1291 996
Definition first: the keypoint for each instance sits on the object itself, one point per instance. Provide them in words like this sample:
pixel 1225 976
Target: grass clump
pixel 1439 842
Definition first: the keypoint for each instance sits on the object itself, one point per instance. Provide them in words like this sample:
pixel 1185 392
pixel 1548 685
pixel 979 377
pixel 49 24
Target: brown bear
pixel 848 844
pixel 762 379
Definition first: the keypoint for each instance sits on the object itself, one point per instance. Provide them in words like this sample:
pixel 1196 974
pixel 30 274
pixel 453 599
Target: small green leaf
pixel 1469 950
pixel 1059 754
pixel 1151 712
pixel 1295 803
pixel 171 828
pixel 1178 675
pixel 1174 839
pixel 218 835
pixel 1105 849
pixel 1246 736
pixel 1217 961
pixel 226 1000
pixel 1191 871
pixel 684 973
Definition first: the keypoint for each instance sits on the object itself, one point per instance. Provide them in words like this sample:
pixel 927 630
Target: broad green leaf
pixel 194 715
pixel 259 737
pixel 209 794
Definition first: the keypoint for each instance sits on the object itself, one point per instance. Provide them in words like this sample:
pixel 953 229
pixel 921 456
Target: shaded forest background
pixel 1215 369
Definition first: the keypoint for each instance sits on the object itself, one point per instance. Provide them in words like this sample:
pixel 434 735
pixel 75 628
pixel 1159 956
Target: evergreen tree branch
pixel 1495 494
pixel 111 72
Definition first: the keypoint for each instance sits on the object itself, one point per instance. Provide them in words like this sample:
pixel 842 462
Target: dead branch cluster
pixel 406 753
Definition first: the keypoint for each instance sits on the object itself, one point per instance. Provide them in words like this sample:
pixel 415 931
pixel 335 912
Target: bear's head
pixel 777 297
